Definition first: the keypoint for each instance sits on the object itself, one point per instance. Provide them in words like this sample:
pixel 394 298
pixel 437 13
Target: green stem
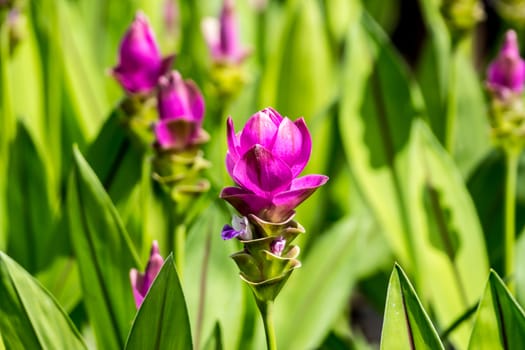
pixel 512 159
pixel 450 127
pixel 179 249
pixel 266 310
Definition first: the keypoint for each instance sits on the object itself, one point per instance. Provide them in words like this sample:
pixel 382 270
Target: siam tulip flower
pixel 222 36
pixel 141 282
pixel 140 64
pixel 506 74
pixel 265 159
pixel 181 111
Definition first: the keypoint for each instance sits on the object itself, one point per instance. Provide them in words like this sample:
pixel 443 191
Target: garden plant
pixel 251 174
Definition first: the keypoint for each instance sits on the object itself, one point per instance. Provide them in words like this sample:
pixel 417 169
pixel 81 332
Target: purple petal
pixel 175 133
pixel 179 99
pixel 141 283
pixel 259 129
pixel 228 31
pixel 233 140
pixel 139 44
pixel 140 63
pixel 245 201
pixel 262 173
pixel 508 70
pixel 293 144
pixel 273 115
pixel 136 282
pixel 301 189
pixel 229 232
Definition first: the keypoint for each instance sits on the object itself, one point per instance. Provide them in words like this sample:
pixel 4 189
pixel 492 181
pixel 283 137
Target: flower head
pixel 140 64
pixel 506 74
pixel 141 282
pixel 222 36
pixel 265 159
pixel 181 111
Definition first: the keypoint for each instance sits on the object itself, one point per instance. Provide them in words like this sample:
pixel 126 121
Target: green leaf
pixel 500 321
pixel 406 325
pixel 307 61
pixel 341 255
pixel 30 318
pixel 449 240
pixel 394 164
pixel 443 234
pixel 450 86
pixel 30 209
pixel 104 255
pixel 379 103
pixel 162 321
pixel 215 340
pixel 211 280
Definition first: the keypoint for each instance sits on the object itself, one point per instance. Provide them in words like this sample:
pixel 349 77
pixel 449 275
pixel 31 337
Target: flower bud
pixel 140 64
pixel 277 246
pixel 141 282
pixel 222 36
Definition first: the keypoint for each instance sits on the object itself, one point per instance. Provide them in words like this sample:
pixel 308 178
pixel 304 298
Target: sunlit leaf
pixel 162 321
pixel 500 321
pixel 104 255
pixel 406 325
pixel 30 318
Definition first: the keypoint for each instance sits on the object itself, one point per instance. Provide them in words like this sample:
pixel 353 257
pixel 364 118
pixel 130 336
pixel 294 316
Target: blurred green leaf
pixel 349 250
pixel 306 62
pixel 31 209
pixel 117 159
pixel 406 325
pixel 162 321
pixel 450 239
pixel 394 163
pixel 62 280
pixel 500 321
pixel 378 105
pixel 452 91
pixel 487 187
pixel 215 340
pixel 30 318
pixel 104 255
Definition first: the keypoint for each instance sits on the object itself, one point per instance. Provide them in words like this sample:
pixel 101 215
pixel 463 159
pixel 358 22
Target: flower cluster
pixel 265 160
pixel 143 72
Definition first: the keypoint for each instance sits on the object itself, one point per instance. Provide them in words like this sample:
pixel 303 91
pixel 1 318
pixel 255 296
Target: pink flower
pixel 181 111
pixel 506 74
pixel 265 159
pixel 140 64
pixel 222 36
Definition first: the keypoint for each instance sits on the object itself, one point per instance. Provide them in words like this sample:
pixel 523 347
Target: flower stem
pixel 266 309
pixel 180 245
pixel 512 159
